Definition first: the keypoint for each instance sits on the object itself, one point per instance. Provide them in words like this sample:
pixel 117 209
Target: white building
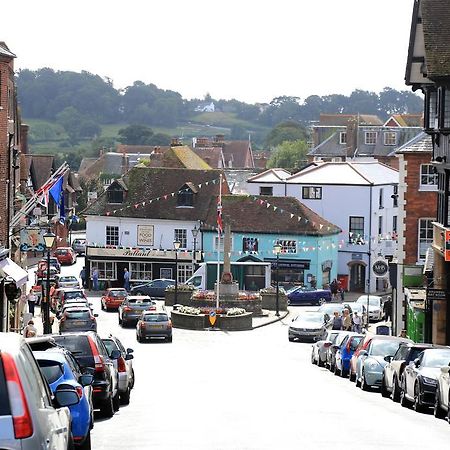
pixel 359 197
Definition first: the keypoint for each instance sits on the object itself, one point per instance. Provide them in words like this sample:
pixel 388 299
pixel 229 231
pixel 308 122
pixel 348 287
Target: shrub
pixel 236 311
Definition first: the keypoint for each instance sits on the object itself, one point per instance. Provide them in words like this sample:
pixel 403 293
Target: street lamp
pixel 194 235
pixel 277 249
pixel 49 240
pixel 176 246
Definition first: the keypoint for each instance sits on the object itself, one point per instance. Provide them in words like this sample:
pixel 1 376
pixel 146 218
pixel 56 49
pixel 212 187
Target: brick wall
pixel 418 204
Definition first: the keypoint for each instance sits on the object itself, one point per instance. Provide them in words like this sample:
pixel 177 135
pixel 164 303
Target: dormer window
pixel 115 194
pixel 186 194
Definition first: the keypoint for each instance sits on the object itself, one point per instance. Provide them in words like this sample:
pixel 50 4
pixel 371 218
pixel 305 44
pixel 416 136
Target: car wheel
pixel 395 391
pixel 364 385
pixel 437 410
pixel 384 391
pixel 343 373
pixel 291 339
pixel 116 401
pixel 403 400
pixel 138 338
pixel 125 397
pixel 358 383
pixel 417 406
pixel 169 339
pixel 313 360
pixel 321 301
pixel 336 371
pixel 120 320
pixel 102 306
pixel 132 379
pixel 107 408
pixel 351 377
pixel 86 445
pixel 320 363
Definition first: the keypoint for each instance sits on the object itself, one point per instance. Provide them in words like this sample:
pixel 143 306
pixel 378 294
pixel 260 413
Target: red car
pixel 65 255
pixel 113 298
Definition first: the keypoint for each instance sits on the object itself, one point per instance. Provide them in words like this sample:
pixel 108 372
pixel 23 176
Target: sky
pixel 250 50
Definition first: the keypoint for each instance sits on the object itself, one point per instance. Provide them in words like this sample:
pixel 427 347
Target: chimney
pixel 352 136
pixel 219 140
pixel 24 128
pixel 175 142
pixel 202 142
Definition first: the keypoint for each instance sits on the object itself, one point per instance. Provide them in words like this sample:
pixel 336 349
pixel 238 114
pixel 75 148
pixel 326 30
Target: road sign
pixel 212 318
pixel 380 268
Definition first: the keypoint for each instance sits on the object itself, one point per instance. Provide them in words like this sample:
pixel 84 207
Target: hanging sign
pixel 380 268
pixel 447 245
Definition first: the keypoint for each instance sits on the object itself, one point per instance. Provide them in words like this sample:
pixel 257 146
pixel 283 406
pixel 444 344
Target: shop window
pixel 112 235
pixel 184 272
pixel 141 271
pixel 106 270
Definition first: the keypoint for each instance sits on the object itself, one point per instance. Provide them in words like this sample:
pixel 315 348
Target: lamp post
pixel 49 240
pixel 176 246
pixel 194 235
pixel 277 249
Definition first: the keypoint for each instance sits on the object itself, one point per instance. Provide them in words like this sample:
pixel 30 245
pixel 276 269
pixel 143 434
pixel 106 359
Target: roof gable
pixel 270 176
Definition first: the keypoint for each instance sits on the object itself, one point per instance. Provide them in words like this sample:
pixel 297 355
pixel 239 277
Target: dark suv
pixel 89 350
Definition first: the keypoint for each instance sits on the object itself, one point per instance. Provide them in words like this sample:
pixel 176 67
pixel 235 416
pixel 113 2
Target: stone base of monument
pixel 241 322
pixel 227 289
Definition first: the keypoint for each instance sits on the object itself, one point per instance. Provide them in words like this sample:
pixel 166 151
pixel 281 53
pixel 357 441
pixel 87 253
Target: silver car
pixel 308 326
pixel 319 348
pixel 375 306
pixel 67 281
pixel 29 418
pixel 124 367
pixel 77 318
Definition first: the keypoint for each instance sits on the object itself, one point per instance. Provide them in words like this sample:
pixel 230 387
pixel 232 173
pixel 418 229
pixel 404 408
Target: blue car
pixel 60 367
pixel 306 296
pixel 345 352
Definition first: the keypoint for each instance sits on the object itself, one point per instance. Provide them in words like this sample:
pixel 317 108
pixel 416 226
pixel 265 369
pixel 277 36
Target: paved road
pixel 250 390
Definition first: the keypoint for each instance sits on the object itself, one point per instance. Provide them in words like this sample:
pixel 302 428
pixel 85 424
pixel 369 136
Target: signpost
pixel 212 318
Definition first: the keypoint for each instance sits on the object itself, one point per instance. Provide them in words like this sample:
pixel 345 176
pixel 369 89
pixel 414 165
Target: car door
pixel 394 366
pixel 53 423
pixel 110 370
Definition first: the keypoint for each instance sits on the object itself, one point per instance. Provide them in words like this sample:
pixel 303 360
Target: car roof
pixel 55 354
pixel 10 342
pixel 116 289
pixel 138 297
pixel 77 309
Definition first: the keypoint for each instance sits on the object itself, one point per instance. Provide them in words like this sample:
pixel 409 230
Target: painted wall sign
pixel 145 235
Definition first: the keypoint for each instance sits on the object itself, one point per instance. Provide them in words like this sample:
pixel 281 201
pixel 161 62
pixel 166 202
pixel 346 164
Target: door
pixel 120 267
pixel 357 277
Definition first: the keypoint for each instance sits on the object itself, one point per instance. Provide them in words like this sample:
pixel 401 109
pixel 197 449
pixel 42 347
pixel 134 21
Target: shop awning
pixel 11 269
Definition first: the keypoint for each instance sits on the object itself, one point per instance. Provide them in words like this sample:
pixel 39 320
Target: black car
pixel 90 352
pixel 419 379
pixel 154 288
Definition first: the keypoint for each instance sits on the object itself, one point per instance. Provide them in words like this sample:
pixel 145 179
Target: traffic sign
pixel 212 318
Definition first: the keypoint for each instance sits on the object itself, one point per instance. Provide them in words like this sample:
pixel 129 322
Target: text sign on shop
pixel 380 268
pixel 447 245
pixel 436 294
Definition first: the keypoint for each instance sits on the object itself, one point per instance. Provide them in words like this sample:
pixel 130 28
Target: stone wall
pixel 269 302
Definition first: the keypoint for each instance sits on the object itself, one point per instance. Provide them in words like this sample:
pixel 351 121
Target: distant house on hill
pixel 205 107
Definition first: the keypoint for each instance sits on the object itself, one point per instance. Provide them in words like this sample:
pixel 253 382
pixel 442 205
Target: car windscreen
pixel 78 315
pixel 313 318
pixel 78 345
pixel 436 358
pixel 117 293
pixel 73 294
pixel 65 279
pixel 373 301
pixel 331 308
pixel 52 370
pixel 156 318
pixel 62 252
pixel 383 348
pixel 4 401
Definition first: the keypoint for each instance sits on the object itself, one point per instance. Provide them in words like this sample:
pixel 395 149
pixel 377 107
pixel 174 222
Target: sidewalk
pixel 37 319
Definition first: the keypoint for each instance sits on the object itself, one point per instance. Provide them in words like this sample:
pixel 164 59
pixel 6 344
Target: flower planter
pixel 201 321
pixel 269 301
pixel 183 297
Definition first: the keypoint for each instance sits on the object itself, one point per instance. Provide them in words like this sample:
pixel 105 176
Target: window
pixel 428 177
pixel 185 196
pixel 343 137
pixel 446 109
pixel 312 193
pixel 184 272
pixel 141 271
pixel 105 270
pixel 221 243
pixel 430 109
pixel 395 197
pixel 425 236
pixel 288 246
pixel 115 194
pixel 390 138
pixel 394 224
pixel 380 198
pixel 112 235
pixel 370 137
pixel 181 236
pixel 380 225
pixel 266 190
pixel 356 230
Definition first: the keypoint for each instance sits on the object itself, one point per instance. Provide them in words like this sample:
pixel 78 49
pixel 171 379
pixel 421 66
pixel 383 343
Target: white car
pixel 67 281
pixel 375 306
pixel 442 400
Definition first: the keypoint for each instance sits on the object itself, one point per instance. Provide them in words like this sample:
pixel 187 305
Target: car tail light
pixel 142 324
pixel 79 390
pixel 98 360
pixel 23 425
pixel 151 308
pixel 121 366
pixel 127 308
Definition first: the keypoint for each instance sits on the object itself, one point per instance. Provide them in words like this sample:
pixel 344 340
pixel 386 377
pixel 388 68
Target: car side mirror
pixel 130 350
pixel 417 362
pixel 115 354
pixel 445 369
pixel 95 315
pixel 86 379
pixel 129 356
pixel 388 358
pixel 66 396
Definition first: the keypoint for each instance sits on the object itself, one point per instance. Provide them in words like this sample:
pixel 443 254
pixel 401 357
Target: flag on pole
pixel 57 193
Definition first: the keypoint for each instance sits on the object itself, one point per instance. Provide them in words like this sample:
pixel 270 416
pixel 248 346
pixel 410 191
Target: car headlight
pixel 372 364
pixel 428 380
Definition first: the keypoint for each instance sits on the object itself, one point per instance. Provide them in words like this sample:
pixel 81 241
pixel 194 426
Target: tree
pixel 135 135
pixel 285 131
pixel 289 155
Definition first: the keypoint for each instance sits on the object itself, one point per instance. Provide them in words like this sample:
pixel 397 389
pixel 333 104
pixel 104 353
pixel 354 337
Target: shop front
pixel 291 272
pixel 143 265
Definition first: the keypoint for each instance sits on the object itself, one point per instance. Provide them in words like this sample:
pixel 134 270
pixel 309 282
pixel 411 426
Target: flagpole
pixel 218 242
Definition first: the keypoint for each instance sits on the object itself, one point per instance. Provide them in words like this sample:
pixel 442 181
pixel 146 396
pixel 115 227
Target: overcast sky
pixel 251 50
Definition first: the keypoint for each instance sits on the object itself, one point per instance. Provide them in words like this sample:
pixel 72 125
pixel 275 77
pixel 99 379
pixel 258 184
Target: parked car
pixel 61 295
pixel 356 307
pixel 332 349
pixel 319 348
pixel 67 281
pixel 345 352
pixel 154 324
pixel 90 352
pixel 419 379
pixel 65 255
pixel 302 295
pixel 406 353
pixel 42 266
pixel 442 397
pixel 375 306
pixel 30 418
pixel 74 302
pixel 132 307
pixel 60 368
pixel 41 279
pixel 77 318
pixel 79 246
pixel 371 361
pixel 123 365
pixel 329 308
pixel 154 288
pixel 307 326
pixel 112 298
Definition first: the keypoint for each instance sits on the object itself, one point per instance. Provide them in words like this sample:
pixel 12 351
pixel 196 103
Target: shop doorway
pixel 357 277
pixel 120 266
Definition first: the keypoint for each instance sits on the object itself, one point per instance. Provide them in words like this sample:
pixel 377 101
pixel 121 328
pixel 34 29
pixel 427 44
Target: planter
pixel 188 321
pixel 253 306
pixel 201 321
pixel 269 301
pixel 235 323
pixel 183 297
